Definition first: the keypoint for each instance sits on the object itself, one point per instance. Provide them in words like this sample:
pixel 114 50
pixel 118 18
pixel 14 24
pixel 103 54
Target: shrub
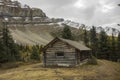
pixel 10 65
pixel 92 60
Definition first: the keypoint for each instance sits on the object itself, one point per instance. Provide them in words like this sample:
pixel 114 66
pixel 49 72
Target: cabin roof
pixel 74 44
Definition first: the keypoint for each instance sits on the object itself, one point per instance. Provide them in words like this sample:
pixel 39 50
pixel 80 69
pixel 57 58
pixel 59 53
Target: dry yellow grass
pixel 105 70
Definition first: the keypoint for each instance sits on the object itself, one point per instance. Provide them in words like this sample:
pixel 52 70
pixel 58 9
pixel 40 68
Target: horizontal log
pixel 60 61
pixel 69 53
pixel 65 55
pixel 65 59
pixel 54 58
pixel 63 49
pixel 57 64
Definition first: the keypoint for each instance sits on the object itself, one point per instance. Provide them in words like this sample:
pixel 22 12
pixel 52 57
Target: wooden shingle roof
pixel 74 44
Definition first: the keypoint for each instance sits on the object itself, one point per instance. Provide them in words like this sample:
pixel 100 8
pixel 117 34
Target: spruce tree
pixel 93 41
pixel 113 48
pixel 3 54
pixel 66 33
pixel 103 45
pixel 118 46
pixel 86 40
pixel 6 41
pixel 12 50
pixel 35 53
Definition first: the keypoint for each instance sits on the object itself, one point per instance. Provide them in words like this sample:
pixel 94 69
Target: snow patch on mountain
pixel 109 28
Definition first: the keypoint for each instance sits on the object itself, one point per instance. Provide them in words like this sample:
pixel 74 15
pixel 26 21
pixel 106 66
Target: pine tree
pixel 15 51
pixel 118 46
pixel 93 41
pixel 66 33
pixel 35 53
pixel 113 48
pixel 103 45
pixel 2 50
pixel 86 40
pixel 6 41
pixel 11 48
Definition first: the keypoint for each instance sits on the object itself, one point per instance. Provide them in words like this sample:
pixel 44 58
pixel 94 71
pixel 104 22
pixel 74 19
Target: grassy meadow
pixel 105 70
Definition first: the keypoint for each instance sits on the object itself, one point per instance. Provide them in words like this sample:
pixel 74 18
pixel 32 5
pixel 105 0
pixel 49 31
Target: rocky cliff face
pixel 16 9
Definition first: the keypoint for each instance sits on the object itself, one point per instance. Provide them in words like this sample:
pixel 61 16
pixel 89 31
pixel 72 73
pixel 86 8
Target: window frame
pixel 59 53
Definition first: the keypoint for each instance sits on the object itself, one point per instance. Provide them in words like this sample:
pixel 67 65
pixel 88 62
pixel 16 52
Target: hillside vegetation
pixel 105 70
pixel 36 34
pixel 31 35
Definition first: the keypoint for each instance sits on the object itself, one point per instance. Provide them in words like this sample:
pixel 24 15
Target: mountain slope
pixel 36 34
pixel 31 35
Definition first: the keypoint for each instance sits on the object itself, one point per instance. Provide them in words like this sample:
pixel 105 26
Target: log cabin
pixel 63 52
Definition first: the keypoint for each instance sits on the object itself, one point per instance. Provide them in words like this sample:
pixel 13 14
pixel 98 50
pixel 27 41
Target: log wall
pixel 69 54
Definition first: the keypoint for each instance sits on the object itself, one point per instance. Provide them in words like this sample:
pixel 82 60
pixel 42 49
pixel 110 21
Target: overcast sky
pixel 89 12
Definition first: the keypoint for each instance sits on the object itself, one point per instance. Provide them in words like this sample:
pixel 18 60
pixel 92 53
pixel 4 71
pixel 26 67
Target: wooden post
pixel 44 59
pixel 76 56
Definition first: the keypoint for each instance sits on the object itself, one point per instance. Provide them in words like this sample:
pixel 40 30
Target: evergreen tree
pixel 11 49
pixel 103 45
pixel 15 51
pixel 66 33
pixel 2 50
pixel 86 40
pixel 113 48
pixel 93 41
pixel 35 53
pixel 6 41
pixel 118 46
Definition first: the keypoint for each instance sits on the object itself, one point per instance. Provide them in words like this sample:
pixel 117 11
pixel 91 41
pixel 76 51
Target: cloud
pixel 90 12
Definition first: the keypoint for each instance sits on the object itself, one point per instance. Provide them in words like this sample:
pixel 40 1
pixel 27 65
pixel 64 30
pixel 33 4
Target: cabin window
pixel 59 54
